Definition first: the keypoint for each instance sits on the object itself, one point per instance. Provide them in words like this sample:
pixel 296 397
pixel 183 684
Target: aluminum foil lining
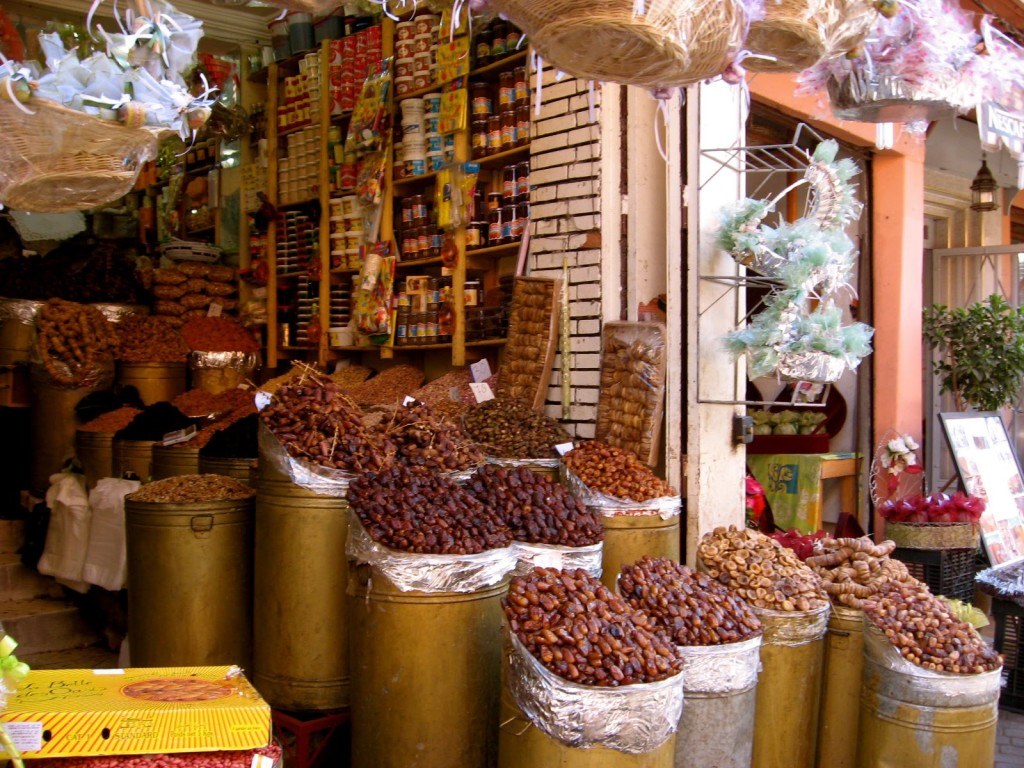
pixel 793 628
pixel 99 376
pixel 903 680
pixel 429 573
pixel 530 556
pixel 631 718
pixel 460 476
pixel 527 463
pixel 880 96
pixel 115 313
pixel 1006 581
pixel 762 260
pixel 246 362
pixel 323 481
pixel 811 366
pixel 729 668
pixel 19 311
pixel 612 506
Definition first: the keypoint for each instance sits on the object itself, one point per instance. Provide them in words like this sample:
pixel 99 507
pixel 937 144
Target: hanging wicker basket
pixel 58 159
pixel 882 96
pixel 649 43
pixel 794 34
pixel 933 535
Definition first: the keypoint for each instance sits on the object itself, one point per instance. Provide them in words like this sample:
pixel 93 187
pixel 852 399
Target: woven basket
pixel 61 160
pixel 881 96
pixel 672 43
pixel 933 535
pixel 796 33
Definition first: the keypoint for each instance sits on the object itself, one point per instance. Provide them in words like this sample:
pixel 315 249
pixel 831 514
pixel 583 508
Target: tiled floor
pixel 1010 740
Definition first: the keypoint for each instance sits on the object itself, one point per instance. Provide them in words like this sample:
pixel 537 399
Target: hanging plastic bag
pixel 373 295
pixel 106 558
pixel 67 538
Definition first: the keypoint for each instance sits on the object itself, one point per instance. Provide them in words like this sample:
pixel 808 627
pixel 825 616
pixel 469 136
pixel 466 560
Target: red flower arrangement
pixel 755 501
pixel 802 544
pixel 937 508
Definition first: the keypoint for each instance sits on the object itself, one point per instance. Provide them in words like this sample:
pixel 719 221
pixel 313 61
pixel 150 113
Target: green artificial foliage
pixel 982 352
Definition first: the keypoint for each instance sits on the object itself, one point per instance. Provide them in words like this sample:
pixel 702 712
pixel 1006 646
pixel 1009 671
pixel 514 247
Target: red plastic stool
pixel 313 739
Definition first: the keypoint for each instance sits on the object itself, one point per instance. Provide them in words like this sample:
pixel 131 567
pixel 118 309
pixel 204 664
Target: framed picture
pixel 987 465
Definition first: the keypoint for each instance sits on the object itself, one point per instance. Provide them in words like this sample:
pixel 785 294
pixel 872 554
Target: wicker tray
pixel 532 338
pixel 933 535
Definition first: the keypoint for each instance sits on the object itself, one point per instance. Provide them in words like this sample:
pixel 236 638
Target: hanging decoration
pixel 1001 114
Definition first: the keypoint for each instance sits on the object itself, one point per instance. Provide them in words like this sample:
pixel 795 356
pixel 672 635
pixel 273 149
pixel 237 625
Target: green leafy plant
pixel 982 351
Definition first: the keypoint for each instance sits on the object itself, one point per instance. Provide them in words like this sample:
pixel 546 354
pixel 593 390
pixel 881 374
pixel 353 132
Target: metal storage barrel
pixel 789 688
pixel 240 469
pixel 218 371
pixel 924 720
pixel 174 460
pixel 627 538
pixel 717 726
pixel 190 570
pixel 155 382
pixel 134 457
pixel 426 674
pixel 95 452
pixel 17 329
pixel 301 663
pixel 523 745
pixel 840 688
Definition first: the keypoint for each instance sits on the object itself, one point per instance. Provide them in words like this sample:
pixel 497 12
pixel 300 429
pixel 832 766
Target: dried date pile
pixel 760 570
pixel 424 439
pixel 150 340
pixel 852 570
pixel 537 510
pixel 926 632
pixel 199 402
pixel 189 489
pixel 615 472
pixel 74 342
pixel 691 607
pixel 582 632
pixel 510 429
pixel 111 421
pixel 413 510
pixel 316 422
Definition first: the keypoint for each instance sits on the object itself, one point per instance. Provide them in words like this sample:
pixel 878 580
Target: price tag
pixel 179 435
pixel 453 394
pixel 480 370
pixel 214 310
pixel 262 400
pixel 409 400
pixel 547 560
pixel 564 448
pixel 262 761
pixel 481 391
pixel 26 737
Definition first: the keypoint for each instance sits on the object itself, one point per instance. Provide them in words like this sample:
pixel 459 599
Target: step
pixel 45 625
pixel 92 657
pixel 18 582
pixel 12 535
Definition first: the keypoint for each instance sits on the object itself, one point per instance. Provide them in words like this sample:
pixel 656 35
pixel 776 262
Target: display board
pixel 988 468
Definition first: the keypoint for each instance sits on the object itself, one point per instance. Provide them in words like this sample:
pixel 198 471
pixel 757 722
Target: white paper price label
pixel 480 370
pixel 214 310
pixel 26 737
pixel 409 400
pixel 179 436
pixel 262 761
pixel 262 400
pixel 482 391
pixel 564 448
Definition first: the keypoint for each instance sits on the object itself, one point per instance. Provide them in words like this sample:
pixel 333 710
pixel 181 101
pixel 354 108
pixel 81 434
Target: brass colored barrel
pixel 789 688
pixel 156 382
pixel 190 583
pixel 95 452
pixel 240 469
pixel 174 460
pixel 301 578
pixel 627 538
pixel 17 329
pixel 840 689
pixel 523 745
pixel 134 457
pixel 426 675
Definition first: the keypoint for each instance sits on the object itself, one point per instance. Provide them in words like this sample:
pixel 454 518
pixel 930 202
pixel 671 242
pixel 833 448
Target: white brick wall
pixel 565 208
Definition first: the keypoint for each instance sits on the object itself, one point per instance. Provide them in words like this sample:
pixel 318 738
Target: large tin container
pixel 95 452
pixel 240 469
pixel 174 460
pixel 301 579
pixel 840 689
pixel 789 688
pixel 426 675
pixel 17 329
pixel 134 457
pixel 190 569
pixel 155 382
pixel 627 538
pixel 218 371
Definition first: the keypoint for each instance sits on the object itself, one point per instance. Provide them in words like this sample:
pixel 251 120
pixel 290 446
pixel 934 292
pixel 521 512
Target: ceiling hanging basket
pixel 796 34
pixel 881 95
pixel 58 159
pixel 652 43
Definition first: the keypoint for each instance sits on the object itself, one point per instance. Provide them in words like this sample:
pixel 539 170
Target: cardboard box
pixel 86 712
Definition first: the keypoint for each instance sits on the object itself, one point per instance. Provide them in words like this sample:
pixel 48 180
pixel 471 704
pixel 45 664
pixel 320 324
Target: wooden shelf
pixel 297 349
pixel 505 249
pixel 410 181
pixel 446 345
pixel 294 129
pixel 285 66
pixel 201 231
pixel 298 204
pixel 487 343
pixel 344 271
pixel 355 348
pixel 503 158
pixel 287 275
pixel 423 91
pixel 501 64
pixel 345 115
pixel 432 261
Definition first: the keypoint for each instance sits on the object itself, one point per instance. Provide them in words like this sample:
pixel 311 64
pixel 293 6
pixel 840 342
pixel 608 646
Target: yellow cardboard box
pixel 87 712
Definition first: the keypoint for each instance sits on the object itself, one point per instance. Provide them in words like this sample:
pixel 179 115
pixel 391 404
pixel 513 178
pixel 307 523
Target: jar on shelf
pixel 522 86
pixel 499 36
pixel 494 201
pixel 483 47
pixel 523 217
pixel 494 227
pixel 471 293
pixel 506 90
pixel 402 326
pixel 523 182
pixel 483 103
pixel 419 210
pixel 508 215
pixel 508 184
pixel 479 138
pixel 522 126
pixel 493 134
pixel 508 128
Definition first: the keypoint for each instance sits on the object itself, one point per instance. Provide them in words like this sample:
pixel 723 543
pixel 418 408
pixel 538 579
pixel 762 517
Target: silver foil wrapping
pixel 115 313
pixel 811 366
pixel 324 481
pixel 729 668
pixel 429 573
pixel 903 680
pixel 631 718
pixel 762 260
pixel 530 556
pixel 792 628
pixel 527 463
pixel 99 376
pixel 19 311
pixel 1006 581
pixel 879 96
pixel 460 476
pixel 244 362
pixel 611 506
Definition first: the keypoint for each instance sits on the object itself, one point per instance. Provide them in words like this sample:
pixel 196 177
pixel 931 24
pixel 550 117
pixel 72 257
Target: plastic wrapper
pixel 372 299
pixel 324 481
pixel 67 536
pixel 106 560
pixel 793 628
pixel 99 376
pixel 219 371
pixel 905 681
pixel 542 465
pixel 115 313
pixel 629 410
pixel 429 573
pixel 530 556
pixel 728 668
pixel 19 311
pixel 632 718
pixel 1006 581
pixel 610 506
pixel 810 366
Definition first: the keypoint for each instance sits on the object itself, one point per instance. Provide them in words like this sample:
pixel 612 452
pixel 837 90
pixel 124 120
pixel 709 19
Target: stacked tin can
pixel 297 237
pixel 346 233
pixel 348 60
pixel 416 53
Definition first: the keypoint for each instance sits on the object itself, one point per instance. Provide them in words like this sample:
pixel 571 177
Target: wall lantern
pixel 983 189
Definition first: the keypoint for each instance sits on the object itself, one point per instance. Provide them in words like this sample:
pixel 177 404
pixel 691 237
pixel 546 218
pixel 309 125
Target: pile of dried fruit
pixel 615 472
pixel 852 570
pixel 74 342
pixel 198 402
pixel 111 421
pixel 426 440
pixel 150 340
pixel 189 489
pixel 510 429
pixel 388 387
pixel 218 334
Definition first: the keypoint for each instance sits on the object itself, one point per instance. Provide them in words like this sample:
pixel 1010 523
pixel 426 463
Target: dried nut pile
pixel 691 607
pixel 424 439
pixel 531 327
pixel 188 489
pixel 150 340
pixel 616 472
pixel 852 570
pixel 537 510
pixel 510 429
pixel 187 291
pixel 760 570
pixel 316 422
pixel 413 510
pixel 438 394
pixel 74 341
pixel 230 759
pixel 579 630
pixel 198 402
pixel 388 387
pixel 351 375
pixel 632 388
pixel 218 334
pixel 222 422
pixel 926 632
pixel 111 421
